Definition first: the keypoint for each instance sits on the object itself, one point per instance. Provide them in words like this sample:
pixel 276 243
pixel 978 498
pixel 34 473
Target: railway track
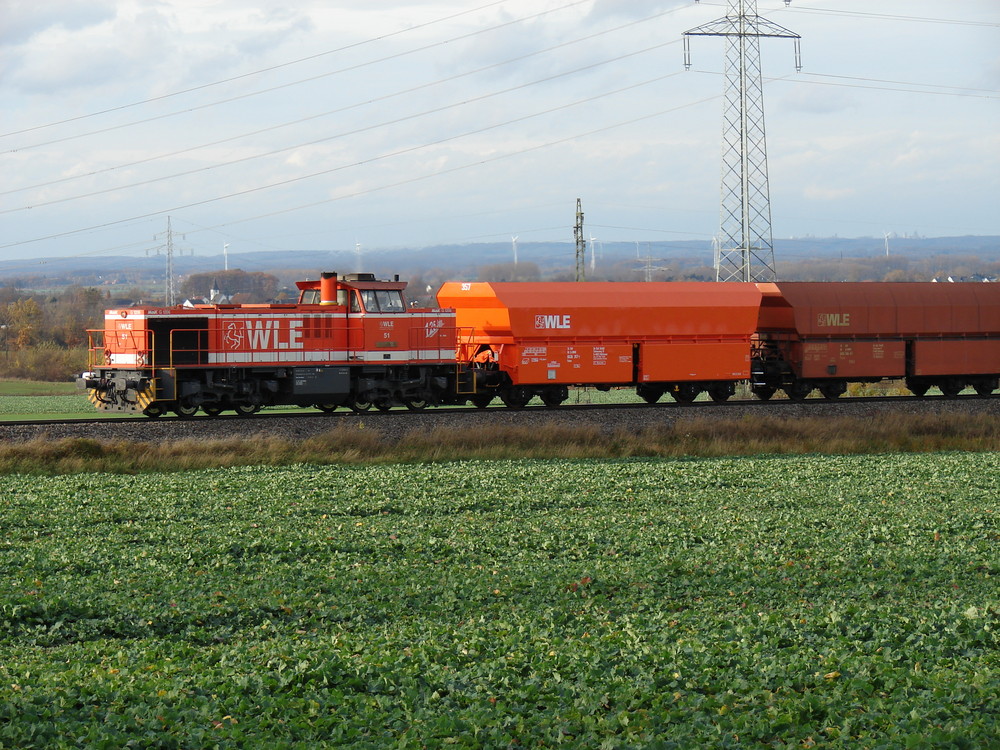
pixel 397 422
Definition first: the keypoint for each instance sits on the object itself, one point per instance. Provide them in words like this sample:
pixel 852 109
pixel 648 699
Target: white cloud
pixel 22 20
pixel 858 143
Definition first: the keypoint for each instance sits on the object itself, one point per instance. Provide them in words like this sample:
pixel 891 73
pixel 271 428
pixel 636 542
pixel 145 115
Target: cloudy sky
pixel 320 124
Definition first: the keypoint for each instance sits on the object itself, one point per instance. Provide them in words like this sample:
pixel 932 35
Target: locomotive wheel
pixel 245 409
pixel 185 411
pixel 153 411
pixel 686 393
pixel 764 392
pixel 383 405
pixel 212 411
pixel 326 407
pixel 360 405
pixel 481 400
pixel 415 404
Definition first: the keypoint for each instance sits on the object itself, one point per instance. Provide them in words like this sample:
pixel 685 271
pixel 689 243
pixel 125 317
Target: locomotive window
pixel 310 297
pixel 355 304
pixel 382 300
pixel 390 300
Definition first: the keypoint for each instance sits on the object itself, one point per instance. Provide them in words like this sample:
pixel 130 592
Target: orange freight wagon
pixel 540 338
pixel 825 335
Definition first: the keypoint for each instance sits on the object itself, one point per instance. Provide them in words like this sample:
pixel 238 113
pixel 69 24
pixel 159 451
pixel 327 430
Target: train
pixel 356 342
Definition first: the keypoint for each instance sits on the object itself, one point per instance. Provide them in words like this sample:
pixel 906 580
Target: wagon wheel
pixel 798 391
pixel 917 388
pixel 721 393
pixel 482 400
pixel 686 393
pixel 951 387
pixel 555 396
pixel 764 392
pixel 246 409
pixel 516 397
pixel 986 387
pixel 648 393
pixel 832 391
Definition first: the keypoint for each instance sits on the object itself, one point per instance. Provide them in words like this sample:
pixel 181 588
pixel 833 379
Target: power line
pixel 249 94
pixel 357 105
pixel 903 83
pixel 203 86
pixel 891 17
pixel 958 92
pixel 378 188
pixel 367 128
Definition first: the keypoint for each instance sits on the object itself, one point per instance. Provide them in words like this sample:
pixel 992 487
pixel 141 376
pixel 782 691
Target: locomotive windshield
pixel 382 300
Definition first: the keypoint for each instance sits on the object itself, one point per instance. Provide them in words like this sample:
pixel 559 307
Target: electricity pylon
pixel 581 244
pixel 746 245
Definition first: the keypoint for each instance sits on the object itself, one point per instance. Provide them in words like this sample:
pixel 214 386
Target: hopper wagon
pixel 824 336
pixel 538 339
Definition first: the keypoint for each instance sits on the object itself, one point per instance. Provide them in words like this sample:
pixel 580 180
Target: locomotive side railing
pixel 95 347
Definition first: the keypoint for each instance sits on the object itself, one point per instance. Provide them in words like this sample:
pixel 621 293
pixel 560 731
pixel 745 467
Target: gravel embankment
pixel 393 426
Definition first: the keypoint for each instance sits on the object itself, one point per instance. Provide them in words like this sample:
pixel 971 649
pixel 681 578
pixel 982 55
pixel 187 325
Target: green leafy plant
pixel 765 601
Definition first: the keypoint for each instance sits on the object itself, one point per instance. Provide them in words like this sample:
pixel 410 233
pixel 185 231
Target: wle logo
pixel 546 322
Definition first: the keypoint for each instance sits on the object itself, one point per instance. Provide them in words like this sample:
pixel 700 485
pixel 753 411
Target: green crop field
pixel 758 602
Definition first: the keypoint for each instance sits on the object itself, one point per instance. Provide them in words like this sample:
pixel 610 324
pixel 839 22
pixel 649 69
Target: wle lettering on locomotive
pixel 355 342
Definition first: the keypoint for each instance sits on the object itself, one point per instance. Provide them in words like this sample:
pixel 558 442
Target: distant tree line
pixel 239 286
pixel 43 335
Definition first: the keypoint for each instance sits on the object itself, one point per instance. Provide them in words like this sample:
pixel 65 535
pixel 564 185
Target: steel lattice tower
pixel 746 246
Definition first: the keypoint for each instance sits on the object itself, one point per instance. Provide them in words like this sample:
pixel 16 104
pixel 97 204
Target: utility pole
pixel 581 244
pixel 170 291
pixel 746 249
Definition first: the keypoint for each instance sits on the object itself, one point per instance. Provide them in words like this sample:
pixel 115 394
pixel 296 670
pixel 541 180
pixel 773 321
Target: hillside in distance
pixel 820 259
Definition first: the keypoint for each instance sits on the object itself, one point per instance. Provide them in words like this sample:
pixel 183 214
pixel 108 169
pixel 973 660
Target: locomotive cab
pixel 360 292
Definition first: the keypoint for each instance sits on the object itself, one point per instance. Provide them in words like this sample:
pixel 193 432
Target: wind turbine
pixel 593 252
pixel 886 244
pixel 513 244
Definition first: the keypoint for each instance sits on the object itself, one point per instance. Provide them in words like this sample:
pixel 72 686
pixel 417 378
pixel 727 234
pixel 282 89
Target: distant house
pixel 215 297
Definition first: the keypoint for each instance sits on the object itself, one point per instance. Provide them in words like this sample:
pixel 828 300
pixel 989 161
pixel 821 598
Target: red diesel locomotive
pixel 346 342
pixel 354 342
